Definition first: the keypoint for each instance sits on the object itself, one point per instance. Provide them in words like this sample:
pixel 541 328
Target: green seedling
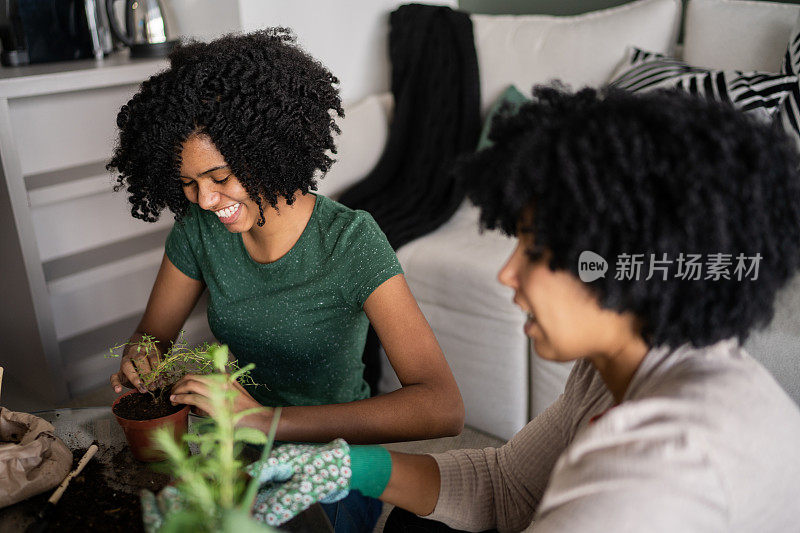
pixel 179 360
pixel 213 487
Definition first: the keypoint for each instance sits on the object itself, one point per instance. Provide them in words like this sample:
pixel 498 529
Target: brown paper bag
pixel 32 458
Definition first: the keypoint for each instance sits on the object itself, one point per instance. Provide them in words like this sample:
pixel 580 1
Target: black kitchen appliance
pixel 145 27
pixel 40 31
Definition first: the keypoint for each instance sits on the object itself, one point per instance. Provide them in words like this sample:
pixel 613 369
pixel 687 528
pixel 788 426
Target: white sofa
pixel 452 271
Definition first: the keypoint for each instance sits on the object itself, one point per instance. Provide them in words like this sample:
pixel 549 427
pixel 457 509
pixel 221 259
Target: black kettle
pixel 145 28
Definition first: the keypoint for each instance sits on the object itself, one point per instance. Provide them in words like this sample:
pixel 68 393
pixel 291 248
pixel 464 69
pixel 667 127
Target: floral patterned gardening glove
pixel 295 476
pixel 156 508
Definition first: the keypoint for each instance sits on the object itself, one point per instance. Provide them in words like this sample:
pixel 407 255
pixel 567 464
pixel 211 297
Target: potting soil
pixel 98 499
pixel 145 406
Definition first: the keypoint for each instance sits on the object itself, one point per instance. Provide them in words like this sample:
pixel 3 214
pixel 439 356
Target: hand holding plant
pixel 212 492
pixel 147 368
pixel 195 390
pixel 139 357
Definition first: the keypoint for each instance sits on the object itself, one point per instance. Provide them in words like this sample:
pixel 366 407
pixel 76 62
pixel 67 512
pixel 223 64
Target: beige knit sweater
pixel 704 440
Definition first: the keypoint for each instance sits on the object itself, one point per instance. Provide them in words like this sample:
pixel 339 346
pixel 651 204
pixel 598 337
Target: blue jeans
pixel 354 514
pixel 402 521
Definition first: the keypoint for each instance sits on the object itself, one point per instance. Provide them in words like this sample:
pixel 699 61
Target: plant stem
pixel 227 459
pixel 252 485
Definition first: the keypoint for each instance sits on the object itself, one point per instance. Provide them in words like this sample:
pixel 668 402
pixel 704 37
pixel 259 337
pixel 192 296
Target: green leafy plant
pixel 215 491
pixel 179 360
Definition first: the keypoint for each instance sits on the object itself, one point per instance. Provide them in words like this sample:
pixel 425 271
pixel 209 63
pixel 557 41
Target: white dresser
pixel 75 267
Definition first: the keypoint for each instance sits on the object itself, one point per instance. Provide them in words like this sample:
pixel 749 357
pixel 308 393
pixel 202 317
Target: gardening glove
pixel 295 476
pixel 156 509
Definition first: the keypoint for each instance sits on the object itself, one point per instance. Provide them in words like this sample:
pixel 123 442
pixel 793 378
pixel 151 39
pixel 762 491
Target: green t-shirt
pixel 300 319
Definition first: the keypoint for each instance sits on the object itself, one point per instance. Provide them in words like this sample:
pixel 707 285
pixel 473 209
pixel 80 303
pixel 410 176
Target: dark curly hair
pixel 264 103
pixel 661 172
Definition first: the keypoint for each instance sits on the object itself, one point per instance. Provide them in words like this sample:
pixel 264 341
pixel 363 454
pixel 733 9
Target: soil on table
pixel 93 500
pixel 138 406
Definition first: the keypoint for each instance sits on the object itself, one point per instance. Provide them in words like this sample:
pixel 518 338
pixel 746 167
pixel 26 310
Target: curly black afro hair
pixel 621 173
pixel 267 106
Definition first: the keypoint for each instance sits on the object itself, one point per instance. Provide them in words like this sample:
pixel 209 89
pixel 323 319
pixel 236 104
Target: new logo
pixel 591 266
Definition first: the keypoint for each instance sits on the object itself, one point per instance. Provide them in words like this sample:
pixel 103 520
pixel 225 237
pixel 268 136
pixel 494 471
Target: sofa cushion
pixel 790 108
pixel 579 50
pixel 457 266
pixel 365 127
pixel 777 346
pixel 758 92
pixel 737 34
pixel 452 273
pixel 509 101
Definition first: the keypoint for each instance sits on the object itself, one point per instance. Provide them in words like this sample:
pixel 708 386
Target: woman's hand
pixel 136 362
pixel 192 390
pixel 172 299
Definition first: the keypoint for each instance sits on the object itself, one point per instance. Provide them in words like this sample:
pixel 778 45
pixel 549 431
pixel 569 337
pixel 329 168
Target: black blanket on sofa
pixel 411 191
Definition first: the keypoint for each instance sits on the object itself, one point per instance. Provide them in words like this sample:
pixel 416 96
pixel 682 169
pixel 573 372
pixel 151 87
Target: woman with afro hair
pixel 666 423
pixel 230 138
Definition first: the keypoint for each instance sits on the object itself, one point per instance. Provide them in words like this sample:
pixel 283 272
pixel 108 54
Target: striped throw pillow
pixel 756 92
pixel 790 108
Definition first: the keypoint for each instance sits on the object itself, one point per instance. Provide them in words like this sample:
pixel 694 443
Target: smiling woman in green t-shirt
pixel 230 139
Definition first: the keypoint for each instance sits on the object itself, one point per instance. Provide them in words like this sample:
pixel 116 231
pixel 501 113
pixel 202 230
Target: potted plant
pixel 212 492
pixel 139 414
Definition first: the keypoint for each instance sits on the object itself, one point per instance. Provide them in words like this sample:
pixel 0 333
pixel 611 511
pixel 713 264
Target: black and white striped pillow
pixel 790 108
pixel 757 92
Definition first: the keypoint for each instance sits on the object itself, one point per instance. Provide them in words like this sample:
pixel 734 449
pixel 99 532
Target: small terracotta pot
pixel 139 432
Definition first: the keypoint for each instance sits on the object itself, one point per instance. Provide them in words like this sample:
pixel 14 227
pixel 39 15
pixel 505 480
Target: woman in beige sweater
pixel 666 423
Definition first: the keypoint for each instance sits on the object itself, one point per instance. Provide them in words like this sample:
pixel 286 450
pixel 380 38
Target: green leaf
pixel 250 435
pixel 245 369
pixel 193 437
pixel 203 426
pixel 219 354
pixel 238 521
pixel 182 521
pixel 163 467
pixel 206 447
pixel 165 441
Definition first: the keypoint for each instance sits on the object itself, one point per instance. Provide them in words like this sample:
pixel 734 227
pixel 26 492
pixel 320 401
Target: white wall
pixel 347 36
pixel 201 19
